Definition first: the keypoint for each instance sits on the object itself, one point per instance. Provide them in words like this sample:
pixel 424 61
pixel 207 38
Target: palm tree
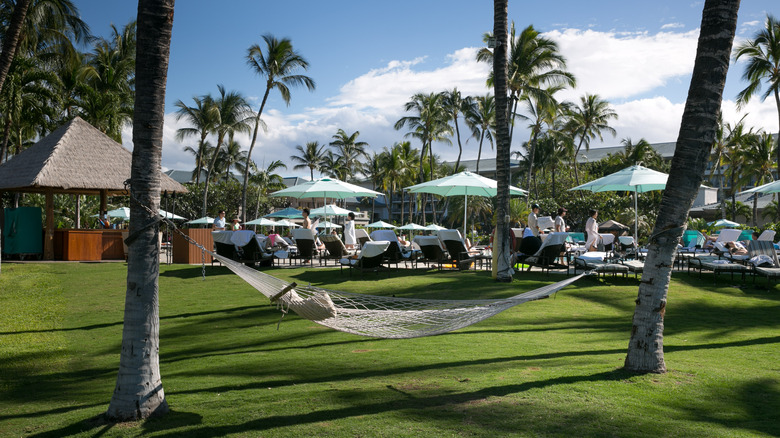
pixel 395 169
pixel 374 171
pixel 410 159
pixel 481 118
pixel 231 115
pixel 719 151
pixel 11 38
pixel 108 93
pixel 139 391
pixel 278 64
pixel 232 156
pixel 202 118
pixel 267 181
pixel 534 64
pixel 542 109
pixel 587 121
pixel 349 151
pixel 759 164
pixel 763 65
pixel 739 137
pixel 697 131
pixel 503 271
pixel 455 104
pixel 312 157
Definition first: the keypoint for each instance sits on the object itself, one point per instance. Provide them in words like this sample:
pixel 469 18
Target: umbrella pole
pixel 636 217
pixel 465 212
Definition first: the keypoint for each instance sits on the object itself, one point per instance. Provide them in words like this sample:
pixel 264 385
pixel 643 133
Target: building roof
pixel 75 158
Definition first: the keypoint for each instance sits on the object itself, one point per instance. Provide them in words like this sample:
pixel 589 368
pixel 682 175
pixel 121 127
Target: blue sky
pixel 368 58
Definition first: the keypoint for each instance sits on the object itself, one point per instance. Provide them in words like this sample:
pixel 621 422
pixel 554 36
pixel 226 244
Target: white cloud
pixel 672 26
pixel 617 66
pixel 630 68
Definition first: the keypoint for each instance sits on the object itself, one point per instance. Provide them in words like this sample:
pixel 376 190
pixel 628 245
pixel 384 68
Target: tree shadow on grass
pixel 402 402
pixel 194 271
pixel 99 425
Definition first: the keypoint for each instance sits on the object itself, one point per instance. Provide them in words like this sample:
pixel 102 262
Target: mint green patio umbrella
pixel 380 224
pixel 637 179
pixel 463 184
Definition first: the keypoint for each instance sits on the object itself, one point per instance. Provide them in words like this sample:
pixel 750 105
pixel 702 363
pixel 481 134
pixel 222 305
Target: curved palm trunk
pixel 208 175
pixel 460 146
pixel 777 147
pixel 531 162
pixel 12 38
pixel 139 391
pixel 249 154
pixel 479 153
pixel 697 132
pixel 501 241
pixel 199 160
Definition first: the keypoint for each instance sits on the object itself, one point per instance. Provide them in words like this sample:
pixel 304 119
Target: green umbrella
pixel 637 179
pixel 463 184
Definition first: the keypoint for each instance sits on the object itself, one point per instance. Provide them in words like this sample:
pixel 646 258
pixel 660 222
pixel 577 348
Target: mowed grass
pixel 545 368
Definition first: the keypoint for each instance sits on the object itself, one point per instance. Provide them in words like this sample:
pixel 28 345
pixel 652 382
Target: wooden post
pixel 48 239
pixel 77 222
pixel 103 201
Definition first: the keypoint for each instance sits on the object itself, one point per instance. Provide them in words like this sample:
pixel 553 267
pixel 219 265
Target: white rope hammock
pixel 380 316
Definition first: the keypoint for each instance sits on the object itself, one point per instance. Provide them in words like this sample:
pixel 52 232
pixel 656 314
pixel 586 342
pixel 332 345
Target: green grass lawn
pixel 545 368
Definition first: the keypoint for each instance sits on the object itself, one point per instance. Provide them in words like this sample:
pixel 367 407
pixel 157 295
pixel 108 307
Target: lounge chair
pixel 370 257
pixel 767 235
pixel 459 256
pixel 431 249
pixel 517 237
pixel 394 253
pixel 241 246
pixel 304 241
pixel 362 237
pixel 761 266
pixel 596 261
pixel 335 248
pixel 545 257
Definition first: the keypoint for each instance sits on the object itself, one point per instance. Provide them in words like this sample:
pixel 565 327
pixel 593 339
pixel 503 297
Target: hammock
pixel 379 316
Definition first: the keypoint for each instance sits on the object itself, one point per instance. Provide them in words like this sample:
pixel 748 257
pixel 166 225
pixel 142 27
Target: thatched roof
pixel 75 158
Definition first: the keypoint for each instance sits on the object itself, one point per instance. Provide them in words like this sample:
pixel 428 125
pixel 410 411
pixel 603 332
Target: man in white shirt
pixel 219 222
pixel 533 222
pixel 592 231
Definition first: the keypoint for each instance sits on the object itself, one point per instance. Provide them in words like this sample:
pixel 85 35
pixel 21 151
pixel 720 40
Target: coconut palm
pixel 349 151
pixel 456 105
pixel 278 64
pixel 428 124
pixel 311 156
pixel 534 64
pixel 587 121
pixel 758 164
pixel 739 137
pixel 374 171
pixel 202 118
pixel 697 132
pixel 231 115
pixel 11 38
pixel 267 181
pixel 138 392
pixel 231 156
pixel 395 169
pixel 763 66
pixel 410 158
pixel 481 118
pixel 716 157
pixel 108 93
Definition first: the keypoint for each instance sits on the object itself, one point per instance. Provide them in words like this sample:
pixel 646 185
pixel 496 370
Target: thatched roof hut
pixel 76 158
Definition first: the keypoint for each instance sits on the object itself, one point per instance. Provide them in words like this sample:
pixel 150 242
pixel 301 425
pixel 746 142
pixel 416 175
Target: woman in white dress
pixel 349 232
pixel 592 231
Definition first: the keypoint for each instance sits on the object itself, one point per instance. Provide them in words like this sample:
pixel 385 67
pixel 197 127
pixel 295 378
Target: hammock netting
pixel 381 316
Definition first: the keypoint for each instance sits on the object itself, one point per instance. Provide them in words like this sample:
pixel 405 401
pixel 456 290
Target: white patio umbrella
pixel 723 223
pixel 263 222
pixel 201 221
pixel 168 215
pixel 327 225
pixel 286 223
pixel 330 210
pixel 380 224
pixel 413 227
pixel 463 184
pixel 120 213
pixel 435 227
pixel 325 188
pixel 637 179
pixel 772 187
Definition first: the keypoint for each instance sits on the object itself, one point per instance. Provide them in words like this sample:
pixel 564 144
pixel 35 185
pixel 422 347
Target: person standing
pixel 219 222
pixel 592 231
pixel 349 231
pixel 533 221
pixel 560 223
pixel 236 224
pixel 306 221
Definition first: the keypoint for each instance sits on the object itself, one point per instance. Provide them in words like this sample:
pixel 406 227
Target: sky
pixel 368 58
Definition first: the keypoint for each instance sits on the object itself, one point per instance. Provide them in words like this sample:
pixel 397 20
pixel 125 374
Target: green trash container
pixel 23 232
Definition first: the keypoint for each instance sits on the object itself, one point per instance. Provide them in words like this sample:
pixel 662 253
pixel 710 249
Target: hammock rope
pixel 374 315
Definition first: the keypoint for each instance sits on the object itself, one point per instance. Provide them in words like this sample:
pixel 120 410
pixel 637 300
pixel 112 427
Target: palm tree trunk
pixel 12 38
pixel 697 132
pixel 479 153
pixel 6 136
pixel 501 241
pixel 722 196
pixel 139 392
pixel 208 175
pixel 460 146
pixel 249 154
pixel 531 159
pixel 777 148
